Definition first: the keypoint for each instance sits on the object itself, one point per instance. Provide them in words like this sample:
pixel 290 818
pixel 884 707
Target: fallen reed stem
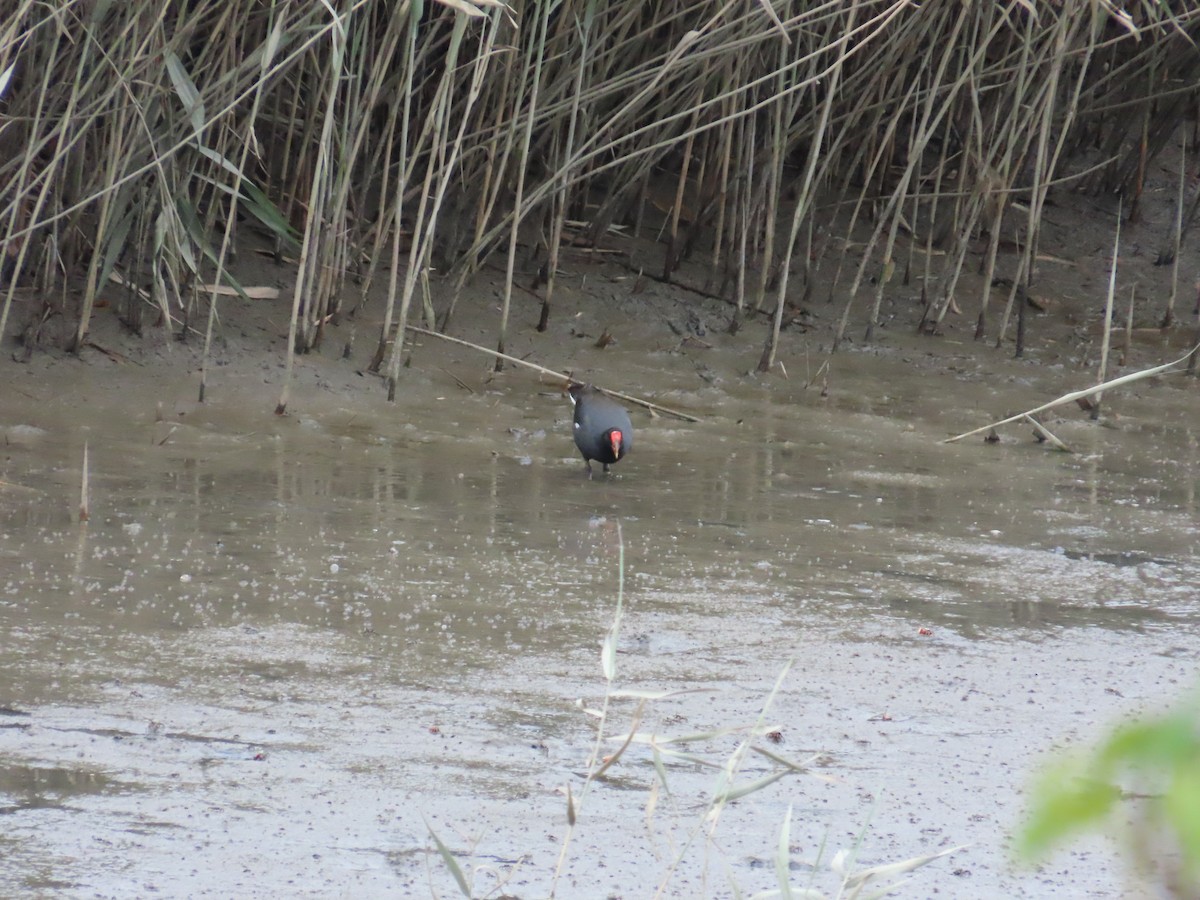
pixel 1079 395
pixel 562 376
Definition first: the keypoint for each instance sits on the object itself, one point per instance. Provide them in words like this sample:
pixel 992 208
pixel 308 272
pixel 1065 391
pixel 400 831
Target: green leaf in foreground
pixel 1066 803
pixel 1159 759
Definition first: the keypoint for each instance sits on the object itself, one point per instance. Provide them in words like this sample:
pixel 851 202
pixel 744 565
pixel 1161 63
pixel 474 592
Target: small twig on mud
pixel 1078 395
pixel 562 376
pixel 462 384
pixel 1045 434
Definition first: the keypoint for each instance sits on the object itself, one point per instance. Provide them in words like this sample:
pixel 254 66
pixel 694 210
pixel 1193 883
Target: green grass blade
pixel 451 862
pixel 736 793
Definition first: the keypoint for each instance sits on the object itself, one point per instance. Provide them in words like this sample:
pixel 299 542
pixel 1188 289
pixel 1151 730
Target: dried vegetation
pixel 143 144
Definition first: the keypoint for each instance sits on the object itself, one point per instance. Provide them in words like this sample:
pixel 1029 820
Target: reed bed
pixel 142 145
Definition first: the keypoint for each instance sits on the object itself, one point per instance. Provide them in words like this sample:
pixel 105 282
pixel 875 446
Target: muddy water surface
pixel 285 652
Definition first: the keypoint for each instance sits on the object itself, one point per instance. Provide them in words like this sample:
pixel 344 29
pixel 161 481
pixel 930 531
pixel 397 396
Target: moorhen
pixel 603 431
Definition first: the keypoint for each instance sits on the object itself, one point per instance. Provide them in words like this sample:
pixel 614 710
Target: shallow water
pixel 284 652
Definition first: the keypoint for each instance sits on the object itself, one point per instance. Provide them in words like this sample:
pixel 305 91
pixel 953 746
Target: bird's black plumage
pixel 603 431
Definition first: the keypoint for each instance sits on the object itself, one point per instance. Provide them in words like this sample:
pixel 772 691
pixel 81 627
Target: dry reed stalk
pixel 20 212
pixel 936 198
pixel 672 252
pixel 1016 294
pixel 186 89
pixel 427 212
pixel 803 207
pixel 84 504
pixel 1143 148
pixel 772 184
pixel 977 179
pixel 381 162
pixel 889 249
pixel 532 70
pixel 316 203
pixel 1128 347
pixel 1082 394
pixel 1168 318
pixel 1005 159
pixel 1064 28
pixel 496 156
pixel 395 204
pixel 1102 371
pixel 743 231
pixel 1046 434
pixel 104 237
pixel 565 378
pixel 931 116
pixel 724 198
pixel 559 211
pixel 997 202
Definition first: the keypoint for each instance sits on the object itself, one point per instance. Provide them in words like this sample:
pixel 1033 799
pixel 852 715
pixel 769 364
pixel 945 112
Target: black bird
pixel 603 431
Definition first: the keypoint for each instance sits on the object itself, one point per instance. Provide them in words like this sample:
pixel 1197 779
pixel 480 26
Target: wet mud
pixel 284 653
